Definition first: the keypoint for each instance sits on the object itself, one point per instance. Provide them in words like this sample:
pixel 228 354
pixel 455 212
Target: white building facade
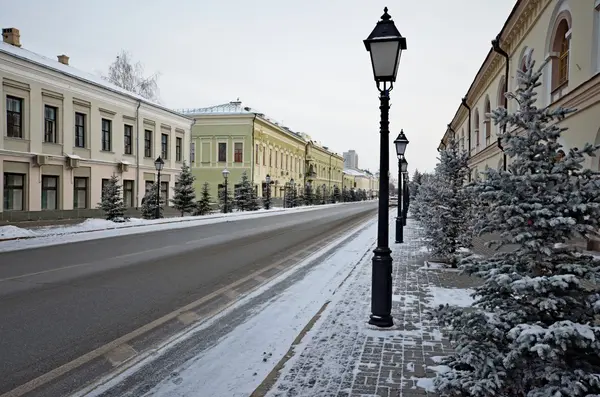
pixel 66 132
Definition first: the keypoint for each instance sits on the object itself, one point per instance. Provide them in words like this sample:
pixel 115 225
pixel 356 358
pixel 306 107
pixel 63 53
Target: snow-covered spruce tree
pixel 318 196
pixel 346 196
pixel 203 204
pixel 415 183
pixel 245 198
pixel 309 196
pixel 149 203
pixel 184 196
pixel 337 194
pixel 531 331
pixel 447 221
pixel 112 201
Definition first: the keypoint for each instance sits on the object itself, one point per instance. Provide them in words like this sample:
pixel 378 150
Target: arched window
pixel 487 123
pixel 476 127
pixel 501 91
pixel 462 139
pixel 559 46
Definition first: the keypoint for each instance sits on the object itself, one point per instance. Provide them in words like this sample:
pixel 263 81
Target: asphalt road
pixel 60 302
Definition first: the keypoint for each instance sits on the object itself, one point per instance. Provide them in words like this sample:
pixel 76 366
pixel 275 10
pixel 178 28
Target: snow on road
pixel 93 229
pixel 240 360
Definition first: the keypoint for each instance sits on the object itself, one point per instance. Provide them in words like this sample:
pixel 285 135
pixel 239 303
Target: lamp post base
pixel 399 230
pixel 381 322
pixel 381 294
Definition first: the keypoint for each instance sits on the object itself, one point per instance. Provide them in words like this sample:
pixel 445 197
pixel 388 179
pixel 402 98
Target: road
pixel 60 302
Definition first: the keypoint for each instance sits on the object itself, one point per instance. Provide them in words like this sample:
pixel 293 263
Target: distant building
pixel 351 159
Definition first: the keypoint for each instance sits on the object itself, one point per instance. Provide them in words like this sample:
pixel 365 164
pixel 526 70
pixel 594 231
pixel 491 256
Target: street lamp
pixel 268 192
pixel 403 168
pixel 158 164
pixel 293 192
pixel 385 45
pixel 406 200
pixel 225 173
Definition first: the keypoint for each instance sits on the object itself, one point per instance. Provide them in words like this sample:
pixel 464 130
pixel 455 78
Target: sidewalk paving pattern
pixel 344 356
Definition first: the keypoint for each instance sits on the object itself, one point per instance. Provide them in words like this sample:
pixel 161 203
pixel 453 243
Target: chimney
pixel 11 36
pixel 63 59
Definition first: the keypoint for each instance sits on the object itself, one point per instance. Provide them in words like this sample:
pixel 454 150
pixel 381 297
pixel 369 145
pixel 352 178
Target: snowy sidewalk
pixel 343 356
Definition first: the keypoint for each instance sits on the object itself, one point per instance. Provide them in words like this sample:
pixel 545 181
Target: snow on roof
pixel 353 172
pixel 70 71
pixel 235 107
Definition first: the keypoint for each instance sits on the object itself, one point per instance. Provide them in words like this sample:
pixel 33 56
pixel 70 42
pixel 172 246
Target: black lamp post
pixel 225 173
pixel 385 45
pixel 293 193
pixel 268 191
pixel 400 143
pixel 323 187
pixel 158 164
pixel 406 195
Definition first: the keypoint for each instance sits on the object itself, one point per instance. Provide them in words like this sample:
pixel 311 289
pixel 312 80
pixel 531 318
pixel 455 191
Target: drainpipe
pixel 137 154
pixel 464 103
pixel 253 152
pixel 496 47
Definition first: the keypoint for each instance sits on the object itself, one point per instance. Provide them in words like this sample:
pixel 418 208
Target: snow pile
pixel 461 297
pixel 10 232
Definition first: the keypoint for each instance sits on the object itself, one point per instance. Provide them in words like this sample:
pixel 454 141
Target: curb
pixel 153 224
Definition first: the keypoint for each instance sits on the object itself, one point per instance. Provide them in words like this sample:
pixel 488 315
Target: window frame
pixel 80 130
pixel 46 189
pixel 164 193
pixel 10 125
pixel 8 188
pixel 238 152
pixel 106 135
pixel 164 146
pixel 178 148
pixel 222 153
pixel 129 201
pixel 128 147
pixel 77 189
pixel 148 144
pixel 50 124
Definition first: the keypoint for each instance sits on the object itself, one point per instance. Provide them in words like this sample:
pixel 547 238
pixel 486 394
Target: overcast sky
pixel 302 63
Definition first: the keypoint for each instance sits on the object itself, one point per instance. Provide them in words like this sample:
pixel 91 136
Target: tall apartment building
pixel 65 132
pixel 351 159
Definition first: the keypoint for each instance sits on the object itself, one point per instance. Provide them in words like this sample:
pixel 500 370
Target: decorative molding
pixel 52 94
pixel 180 131
pixel 107 112
pixel 15 84
pixel 81 102
pixel 165 127
pixel 149 122
pixel 129 118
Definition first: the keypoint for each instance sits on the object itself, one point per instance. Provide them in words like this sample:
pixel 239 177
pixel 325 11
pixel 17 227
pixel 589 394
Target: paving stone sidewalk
pixel 343 356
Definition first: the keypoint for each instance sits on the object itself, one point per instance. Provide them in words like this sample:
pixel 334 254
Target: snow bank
pixel 452 296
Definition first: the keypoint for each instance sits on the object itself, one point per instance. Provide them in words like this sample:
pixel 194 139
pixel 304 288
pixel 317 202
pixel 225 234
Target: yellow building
pixel 324 167
pixel 566 34
pixel 362 180
pixel 241 139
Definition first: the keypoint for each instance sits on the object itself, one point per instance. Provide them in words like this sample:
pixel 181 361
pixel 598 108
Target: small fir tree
pixel 318 196
pixel 245 197
pixel 184 196
pixel 150 203
pixel 309 196
pixel 112 201
pixel 337 194
pixel 353 195
pixel 531 332
pixel 346 196
pixel 203 205
pixel 447 222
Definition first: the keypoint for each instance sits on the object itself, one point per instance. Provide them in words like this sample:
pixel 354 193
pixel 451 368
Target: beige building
pixel 566 34
pixel 65 132
pixel 362 180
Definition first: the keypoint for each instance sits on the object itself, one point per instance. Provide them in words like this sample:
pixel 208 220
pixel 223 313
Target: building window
pixel 561 47
pixel 148 143
pixel 79 130
pixel 80 192
pixel 178 147
pixel 164 191
pixel 164 146
pixel 128 193
pixel 50 122
pixel 476 121
pixel 563 62
pixel 14 117
pixel 192 152
pixel 128 133
pixel 237 152
pixel 487 123
pixel 222 152
pixel 106 135
pixel 256 153
pixel 276 158
pixel 14 192
pixel 49 192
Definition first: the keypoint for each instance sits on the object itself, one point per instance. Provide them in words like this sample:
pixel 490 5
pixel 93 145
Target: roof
pixel 80 75
pixel 236 108
pixel 349 171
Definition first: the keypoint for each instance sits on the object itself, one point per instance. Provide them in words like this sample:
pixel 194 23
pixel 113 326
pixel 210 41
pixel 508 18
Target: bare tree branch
pixel 129 76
